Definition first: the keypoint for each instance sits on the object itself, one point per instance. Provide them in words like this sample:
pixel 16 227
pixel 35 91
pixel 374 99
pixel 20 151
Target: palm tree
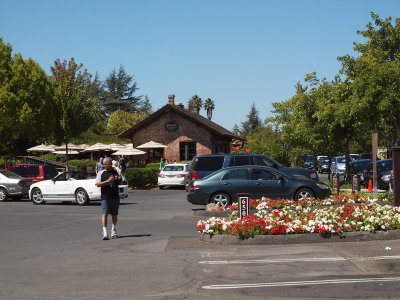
pixel 209 106
pixel 195 100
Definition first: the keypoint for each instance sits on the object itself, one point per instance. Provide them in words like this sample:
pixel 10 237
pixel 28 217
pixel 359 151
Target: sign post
pixel 243 205
pixel 336 183
pixel 356 186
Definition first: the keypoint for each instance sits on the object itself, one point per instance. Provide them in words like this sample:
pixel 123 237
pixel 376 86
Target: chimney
pixel 195 108
pixel 171 99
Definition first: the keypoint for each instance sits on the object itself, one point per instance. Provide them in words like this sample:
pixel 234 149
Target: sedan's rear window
pixel 208 163
pixel 173 168
pixel 9 174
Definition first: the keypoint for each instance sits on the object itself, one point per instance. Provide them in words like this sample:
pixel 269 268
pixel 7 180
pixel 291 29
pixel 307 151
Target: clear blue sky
pixel 234 52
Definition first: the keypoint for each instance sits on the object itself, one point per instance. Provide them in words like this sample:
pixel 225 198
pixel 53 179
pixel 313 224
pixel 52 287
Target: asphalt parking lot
pixel 55 251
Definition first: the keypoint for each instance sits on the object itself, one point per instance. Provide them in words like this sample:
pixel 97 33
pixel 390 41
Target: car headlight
pixel 322 186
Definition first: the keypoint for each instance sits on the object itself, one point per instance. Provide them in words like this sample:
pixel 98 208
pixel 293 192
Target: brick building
pixel 184 133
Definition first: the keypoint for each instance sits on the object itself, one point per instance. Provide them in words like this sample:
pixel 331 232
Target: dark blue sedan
pixel 222 186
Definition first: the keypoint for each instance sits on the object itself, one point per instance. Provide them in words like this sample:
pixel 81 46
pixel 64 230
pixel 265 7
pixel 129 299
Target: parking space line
pixel 267 261
pixel 303 259
pixel 298 283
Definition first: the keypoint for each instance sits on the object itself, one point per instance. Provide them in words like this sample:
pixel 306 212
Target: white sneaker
pixel 114 234
pixel 105 236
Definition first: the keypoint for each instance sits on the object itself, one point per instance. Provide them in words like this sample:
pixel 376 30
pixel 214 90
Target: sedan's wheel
pixel 161 187
pixel 221 199
pixel 3 194
pixel 37 197
pixel 303 194
pixel 81 197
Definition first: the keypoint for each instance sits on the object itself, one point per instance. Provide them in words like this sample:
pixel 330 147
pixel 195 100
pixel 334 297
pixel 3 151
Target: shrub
pixel 49 156
pixel 141 177
pixel 81 165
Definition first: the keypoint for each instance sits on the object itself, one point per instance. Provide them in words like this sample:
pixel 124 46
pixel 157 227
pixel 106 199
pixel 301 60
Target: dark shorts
pixel 110 207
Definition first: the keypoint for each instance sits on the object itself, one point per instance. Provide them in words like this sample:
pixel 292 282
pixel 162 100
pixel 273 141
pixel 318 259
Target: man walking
pixel 108 180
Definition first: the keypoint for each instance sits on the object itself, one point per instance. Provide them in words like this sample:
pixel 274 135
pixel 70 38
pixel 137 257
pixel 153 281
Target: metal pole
pixel 374 155
pixel 396 174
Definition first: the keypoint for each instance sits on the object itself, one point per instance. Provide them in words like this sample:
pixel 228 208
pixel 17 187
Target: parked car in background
pixel 323 165
pixel 222 186
pixel 359 167
pixel 309 161
pixel 36 172
pixel 384 167
pixel 173 175
pixel 365 156
pixel 354 156
pixel 70 186
pixel 203 165
pixel 13 185
pixel 338 165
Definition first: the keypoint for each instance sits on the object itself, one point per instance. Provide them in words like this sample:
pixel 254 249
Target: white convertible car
pixel 70 186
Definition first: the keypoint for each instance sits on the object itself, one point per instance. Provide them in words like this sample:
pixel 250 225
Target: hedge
pixel 141 177
pixel 82 165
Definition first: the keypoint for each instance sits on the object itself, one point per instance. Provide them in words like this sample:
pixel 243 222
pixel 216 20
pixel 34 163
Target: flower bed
pixel 275 217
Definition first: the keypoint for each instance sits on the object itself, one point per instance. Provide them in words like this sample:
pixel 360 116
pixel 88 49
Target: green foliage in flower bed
pixel 81 165
pixel 142 177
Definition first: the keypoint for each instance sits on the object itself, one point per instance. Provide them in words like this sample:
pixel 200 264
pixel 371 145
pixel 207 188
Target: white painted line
pixel 267 261
pixel 286 260
pixel 298 283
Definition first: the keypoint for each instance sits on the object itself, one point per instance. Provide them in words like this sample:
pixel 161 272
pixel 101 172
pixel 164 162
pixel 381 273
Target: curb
pixel 305 238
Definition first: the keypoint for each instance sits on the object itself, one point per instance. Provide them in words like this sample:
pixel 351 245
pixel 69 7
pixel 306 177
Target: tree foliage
pixel 120 121
pixel 195 100
pixel 252 123
pixel 209 107
pixel 375 77
pixel 73 89
pixel 26 103
pixel 118 94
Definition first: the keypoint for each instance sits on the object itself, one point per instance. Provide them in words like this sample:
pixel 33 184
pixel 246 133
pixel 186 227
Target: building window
pixel 187 150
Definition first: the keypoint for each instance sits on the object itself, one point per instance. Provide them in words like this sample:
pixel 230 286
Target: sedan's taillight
pixel 194 187
pixel 161 175
pixel 181 175
pixel 195 175
pixel 20 183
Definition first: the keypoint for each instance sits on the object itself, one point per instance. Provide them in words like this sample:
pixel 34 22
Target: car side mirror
pixel 281 178
pixel 275 166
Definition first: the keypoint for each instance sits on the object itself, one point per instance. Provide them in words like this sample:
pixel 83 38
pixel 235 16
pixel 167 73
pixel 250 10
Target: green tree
pixel 236 130
pixel 375 77
pixel 209 107
pixel 73 90
pixel 195 100
pixel 118 94
pixel 252 123
pixel 26 103
pixel 120 121
pixel 267 140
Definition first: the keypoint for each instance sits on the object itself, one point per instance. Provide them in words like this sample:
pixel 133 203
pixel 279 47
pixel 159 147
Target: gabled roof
pixel 194 117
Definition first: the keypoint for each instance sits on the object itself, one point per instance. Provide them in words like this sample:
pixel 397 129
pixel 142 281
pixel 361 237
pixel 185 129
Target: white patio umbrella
pixel 150 145
pixel 97 147
pixel 70 147
pixel 127 151
pixel 41 148
pixel 64 152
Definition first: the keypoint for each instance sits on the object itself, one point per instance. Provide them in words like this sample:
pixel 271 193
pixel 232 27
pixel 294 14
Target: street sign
pixel 243 204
